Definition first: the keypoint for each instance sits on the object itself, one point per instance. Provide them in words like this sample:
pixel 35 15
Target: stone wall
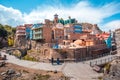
pixel 117 40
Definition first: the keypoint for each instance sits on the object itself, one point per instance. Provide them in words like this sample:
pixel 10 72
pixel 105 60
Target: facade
pixel 68 21
pixel 40 32
pixel 117 40
pixel 68 28
pixel 77 28
pixel 20 31
pixel 57 34
pixel 72 30
pixel 28 29
pixel 47 34
pixel 37 32
pixel 20 39
pixel 106 37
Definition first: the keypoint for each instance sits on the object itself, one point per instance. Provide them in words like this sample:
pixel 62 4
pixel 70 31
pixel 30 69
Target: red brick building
pixel 47 34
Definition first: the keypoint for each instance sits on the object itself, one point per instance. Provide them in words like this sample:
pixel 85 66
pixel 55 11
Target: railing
pixel 105 60
pixel 40 32
pixel 102 61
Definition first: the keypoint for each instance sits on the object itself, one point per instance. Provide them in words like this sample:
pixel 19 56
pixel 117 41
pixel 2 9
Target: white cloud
pixel 82 11
pixel 112 25
pixel 10 16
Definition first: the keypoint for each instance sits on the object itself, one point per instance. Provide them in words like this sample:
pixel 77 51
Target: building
pixel 20 31
pixel 117 40
pixel 41 32
pixel 28 29
pixel 55 19
pixel 47 34
pixel 68 28
pixel 58 33
pixel 68 21
pixel 106 37
pixel 20 37
pixel 37 32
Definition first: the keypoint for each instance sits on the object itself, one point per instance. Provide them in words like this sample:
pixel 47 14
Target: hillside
pixel 88 26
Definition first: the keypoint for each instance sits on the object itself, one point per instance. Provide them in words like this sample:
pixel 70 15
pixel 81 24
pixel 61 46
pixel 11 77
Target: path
pixel 77 71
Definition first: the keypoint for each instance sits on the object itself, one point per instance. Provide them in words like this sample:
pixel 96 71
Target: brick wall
pixel 47 34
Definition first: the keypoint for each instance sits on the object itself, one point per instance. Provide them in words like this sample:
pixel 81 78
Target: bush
pixel 29 58
pixel 16 53
pixel 29 51
pixel 41 77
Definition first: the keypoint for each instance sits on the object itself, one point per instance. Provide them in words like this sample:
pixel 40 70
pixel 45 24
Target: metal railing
pixel 102 61
pixel 105 60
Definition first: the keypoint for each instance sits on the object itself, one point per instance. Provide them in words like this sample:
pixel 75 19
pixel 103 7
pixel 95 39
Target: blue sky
pixel 104 13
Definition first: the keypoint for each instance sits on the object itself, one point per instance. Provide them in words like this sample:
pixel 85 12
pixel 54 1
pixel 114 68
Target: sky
pixel 105 13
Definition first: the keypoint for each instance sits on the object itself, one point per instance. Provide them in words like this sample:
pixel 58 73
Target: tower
pixel 55 18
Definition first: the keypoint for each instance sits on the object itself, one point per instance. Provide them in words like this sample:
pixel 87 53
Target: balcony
pixel 40 37
pixel 39 32
pixel 20 34
pixel 20 31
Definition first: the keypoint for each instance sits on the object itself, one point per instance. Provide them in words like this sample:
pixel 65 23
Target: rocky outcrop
pixel 88 26
pixel 114 72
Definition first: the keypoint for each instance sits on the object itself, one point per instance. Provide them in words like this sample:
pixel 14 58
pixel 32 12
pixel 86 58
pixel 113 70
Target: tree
pixel 3 34
pixel 13 30
pixel 8 29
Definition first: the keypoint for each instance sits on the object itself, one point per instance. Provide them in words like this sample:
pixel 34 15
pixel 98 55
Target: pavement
pixel 76 71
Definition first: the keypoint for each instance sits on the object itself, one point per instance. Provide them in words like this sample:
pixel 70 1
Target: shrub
pixel 29 58
pixel 41 77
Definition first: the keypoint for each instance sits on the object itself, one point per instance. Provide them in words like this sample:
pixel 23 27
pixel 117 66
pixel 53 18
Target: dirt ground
pixel 30 74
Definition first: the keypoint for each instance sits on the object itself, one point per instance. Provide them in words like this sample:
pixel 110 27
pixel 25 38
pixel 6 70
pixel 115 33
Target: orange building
pixel 103 36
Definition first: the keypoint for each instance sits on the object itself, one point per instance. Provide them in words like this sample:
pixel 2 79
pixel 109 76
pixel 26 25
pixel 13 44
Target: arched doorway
pixel 46 53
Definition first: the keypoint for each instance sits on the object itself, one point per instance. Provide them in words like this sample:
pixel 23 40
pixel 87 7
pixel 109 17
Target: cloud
pixel 83 11
pixel 10 16
pixel 112 25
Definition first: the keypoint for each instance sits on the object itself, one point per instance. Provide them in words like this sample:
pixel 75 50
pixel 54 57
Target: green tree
pixel 8 29
pixel 3 33
pixel 13 30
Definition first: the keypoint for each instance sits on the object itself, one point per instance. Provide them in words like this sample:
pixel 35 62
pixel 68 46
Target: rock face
pixel 114 73
pixel 88 26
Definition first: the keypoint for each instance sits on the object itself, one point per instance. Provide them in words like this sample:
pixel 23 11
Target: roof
pixel 20 27
pixel 35 26
pixel 103 35
pixel 28 25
